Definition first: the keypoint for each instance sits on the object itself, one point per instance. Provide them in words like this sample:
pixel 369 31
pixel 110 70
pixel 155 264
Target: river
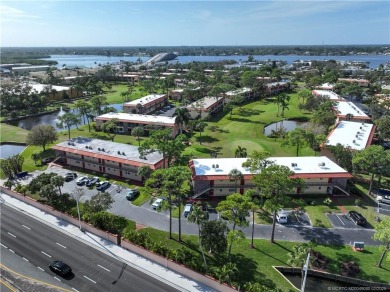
pixel 90 61
pixel 52 119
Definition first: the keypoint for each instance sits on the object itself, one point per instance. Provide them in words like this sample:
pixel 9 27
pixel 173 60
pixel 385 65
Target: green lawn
pixel 245 128
pixel 255 264
pixel 10 133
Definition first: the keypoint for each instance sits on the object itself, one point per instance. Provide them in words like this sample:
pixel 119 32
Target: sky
pixel 193 23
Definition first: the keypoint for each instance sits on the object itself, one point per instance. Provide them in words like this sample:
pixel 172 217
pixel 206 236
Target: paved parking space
pixel 296 219
pixel 340 220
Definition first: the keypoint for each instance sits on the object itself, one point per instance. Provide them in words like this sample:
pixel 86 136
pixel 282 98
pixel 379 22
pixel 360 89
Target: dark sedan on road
pixel 60 268
pixel 103 186
pixel 132 194
pixel 357 218
pixel 92 181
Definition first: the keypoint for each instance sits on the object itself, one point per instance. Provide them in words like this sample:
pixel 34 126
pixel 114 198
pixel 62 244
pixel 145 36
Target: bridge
pixel 161 57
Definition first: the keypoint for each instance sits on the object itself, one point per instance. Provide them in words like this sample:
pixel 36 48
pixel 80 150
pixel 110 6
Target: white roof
pixel 127 152
pixel 326 85
pixel 123 117
pixel 345 133
pixel 305 165
pixel 239 91
pixel 41 87
pixel 330 94
pixel 204 102
pixel 144 100
pixel 347 107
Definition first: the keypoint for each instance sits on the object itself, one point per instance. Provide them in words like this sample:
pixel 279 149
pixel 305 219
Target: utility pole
pixel 304 272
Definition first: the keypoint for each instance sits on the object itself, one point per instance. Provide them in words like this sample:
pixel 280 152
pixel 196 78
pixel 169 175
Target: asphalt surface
pixel 39 244
pixel 160 220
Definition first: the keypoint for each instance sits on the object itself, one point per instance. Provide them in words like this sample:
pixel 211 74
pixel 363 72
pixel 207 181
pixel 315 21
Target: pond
pixel 316 284
pixel 288 125
pixel 52 119
pixel 7 150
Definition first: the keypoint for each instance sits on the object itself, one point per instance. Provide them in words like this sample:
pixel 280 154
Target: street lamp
pixel 304 272
pixel 78 193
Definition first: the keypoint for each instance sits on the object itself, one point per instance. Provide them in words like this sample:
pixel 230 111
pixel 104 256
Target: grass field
pixel 245 128
pixel 255 264
pixel 10 133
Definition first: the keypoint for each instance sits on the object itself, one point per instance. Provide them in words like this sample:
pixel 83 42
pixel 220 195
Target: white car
pixel 282 217
pixel 82 180
pixel 157 203
pixel 187 209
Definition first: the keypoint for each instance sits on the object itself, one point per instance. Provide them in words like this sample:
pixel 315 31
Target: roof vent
pixel 69 143
pixel 86 146
pixel 123 153
pixel 321 164
pixel 103 149
pixel 90 147
pixel 354 141
pixel 216 166
pixel 213 166
pixel 99 149
pixel 119 152
pixel 294 164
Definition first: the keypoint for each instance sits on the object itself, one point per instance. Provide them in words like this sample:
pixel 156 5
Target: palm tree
pixel 285 98
pixel 57 181
pixel 235 175
pixel 197 216
pixel 182 117
pixel 240 152
pixel 137 132
pixel 144 171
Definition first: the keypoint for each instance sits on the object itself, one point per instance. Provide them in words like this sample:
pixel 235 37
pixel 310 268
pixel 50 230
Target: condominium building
pixel 127 122
pixel 327 93
pixel 210 177
pixel 146 104
pixel 352 135
pixel 348 111
pixel 205 106
pixel 116 159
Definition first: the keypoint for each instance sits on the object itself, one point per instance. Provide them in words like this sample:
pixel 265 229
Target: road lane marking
pixel 26 227
pixel 46 254
pixel 3 245
pixel 11 250
pixel 104 268
pixel 11 234
pixel 340 219
pixel 75 290
pixel 89 279
pixel 25 259
pixel 41 269
pixel 57 279
pixel 61 245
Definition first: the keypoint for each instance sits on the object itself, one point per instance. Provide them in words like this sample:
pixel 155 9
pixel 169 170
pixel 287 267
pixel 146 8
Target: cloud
pixel 9 14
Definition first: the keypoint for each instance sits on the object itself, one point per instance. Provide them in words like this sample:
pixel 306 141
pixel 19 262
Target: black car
pixel 60 268
pixel 132 194
pixel 69 176
pixel 92 181
pixel 357 218
pixel 103 186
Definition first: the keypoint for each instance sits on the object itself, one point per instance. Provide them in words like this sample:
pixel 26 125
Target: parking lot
pixel 297 218
pixel 340 220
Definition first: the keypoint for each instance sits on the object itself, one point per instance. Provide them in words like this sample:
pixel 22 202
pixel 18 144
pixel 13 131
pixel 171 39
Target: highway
pixel 93 270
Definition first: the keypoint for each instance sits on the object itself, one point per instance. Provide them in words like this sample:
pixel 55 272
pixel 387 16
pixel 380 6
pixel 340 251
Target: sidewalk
pixel 155 270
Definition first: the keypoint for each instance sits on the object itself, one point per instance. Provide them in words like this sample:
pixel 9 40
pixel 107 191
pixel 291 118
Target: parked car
pixel 157 203
pixel 187 210
pixel 132 194
pixel 92 181
pixel 102 186
pixel 69 176
pixel 357 218
pixel 60 268
pixel 82 180
pixel 282 217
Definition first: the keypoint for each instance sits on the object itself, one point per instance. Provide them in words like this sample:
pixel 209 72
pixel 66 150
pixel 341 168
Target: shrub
pixel 328 201
pixel 358 202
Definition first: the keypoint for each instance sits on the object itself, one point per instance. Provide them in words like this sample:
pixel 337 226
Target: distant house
pixel 352 135
pixel 54 91
pixel 102 156
pixel 210 177
pixel 127 122
pixel 274 88
pixel 146 104
pixel 325 86
pixel 327 93
pixel 360 82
